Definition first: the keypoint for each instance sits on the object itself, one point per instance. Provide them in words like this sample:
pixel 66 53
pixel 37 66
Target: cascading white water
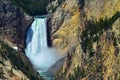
pixel 36 36
pixel 36 50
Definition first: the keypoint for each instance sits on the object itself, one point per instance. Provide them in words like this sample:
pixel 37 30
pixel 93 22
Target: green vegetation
pixel 16 59
pixel 60 1
pixel 34 7
pixel 90 35
pixel 94 30
pixel 53 8
pixel 2 62
pixel 1 73
pixel 78 74
pixel 82 3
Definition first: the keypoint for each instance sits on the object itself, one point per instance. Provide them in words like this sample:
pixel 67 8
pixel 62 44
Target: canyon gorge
pixel 60 40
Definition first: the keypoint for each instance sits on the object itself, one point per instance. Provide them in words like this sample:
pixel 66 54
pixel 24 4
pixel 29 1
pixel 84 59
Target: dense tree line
pixel 33 7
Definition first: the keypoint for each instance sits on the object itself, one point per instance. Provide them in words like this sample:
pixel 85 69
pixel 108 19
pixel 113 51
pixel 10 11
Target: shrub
pixel 17 61
pixel 94 28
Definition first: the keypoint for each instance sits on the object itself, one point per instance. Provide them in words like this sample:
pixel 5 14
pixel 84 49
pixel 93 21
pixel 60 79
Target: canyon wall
pixel 87 31
pixel 14 65
pixel 13 23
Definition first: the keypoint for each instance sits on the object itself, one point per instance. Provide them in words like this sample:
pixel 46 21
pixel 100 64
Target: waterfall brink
pixel 42 57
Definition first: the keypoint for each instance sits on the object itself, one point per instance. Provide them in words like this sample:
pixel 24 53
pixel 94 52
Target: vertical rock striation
pixel 87 31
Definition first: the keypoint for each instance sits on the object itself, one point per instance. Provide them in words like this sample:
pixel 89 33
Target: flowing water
pixel 42 57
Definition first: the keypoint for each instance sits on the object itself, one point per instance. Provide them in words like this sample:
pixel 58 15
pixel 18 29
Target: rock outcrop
pixel 13 23
pixel 87 31
pixel 14 65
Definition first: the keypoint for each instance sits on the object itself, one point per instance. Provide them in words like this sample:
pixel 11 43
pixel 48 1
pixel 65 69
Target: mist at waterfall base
pixel 41 56
pixel 45 59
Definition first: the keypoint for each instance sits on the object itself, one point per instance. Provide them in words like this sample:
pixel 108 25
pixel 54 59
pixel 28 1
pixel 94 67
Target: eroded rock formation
pixel 14 65
pixel 13 23
pixel 88 31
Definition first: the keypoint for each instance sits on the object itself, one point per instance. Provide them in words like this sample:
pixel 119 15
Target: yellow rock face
pixel 101 9
pixel 68 32
pixel 67 36
pixel 110 53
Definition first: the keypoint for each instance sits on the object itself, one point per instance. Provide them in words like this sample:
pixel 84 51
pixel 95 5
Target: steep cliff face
pixel 109 49
pixel 87 31
pixel 65 26
pixel 14 65
pixel 13 23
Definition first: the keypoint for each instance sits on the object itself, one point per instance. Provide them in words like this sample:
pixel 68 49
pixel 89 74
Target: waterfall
pixel 36 37
pixel 37 50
